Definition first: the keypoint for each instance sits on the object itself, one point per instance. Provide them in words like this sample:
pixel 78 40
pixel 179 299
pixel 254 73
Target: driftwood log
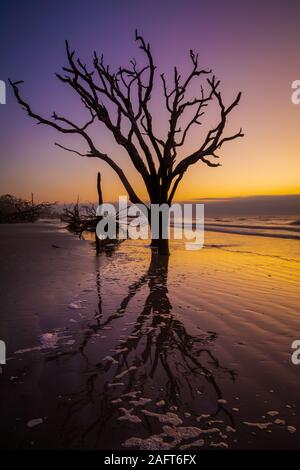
pixel 83 218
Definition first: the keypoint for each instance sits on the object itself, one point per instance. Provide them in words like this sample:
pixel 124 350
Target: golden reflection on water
pixel 167 350
pixel 191 335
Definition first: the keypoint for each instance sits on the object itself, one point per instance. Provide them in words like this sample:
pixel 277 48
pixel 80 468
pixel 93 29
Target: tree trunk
pixel 100 202
pixel 160 244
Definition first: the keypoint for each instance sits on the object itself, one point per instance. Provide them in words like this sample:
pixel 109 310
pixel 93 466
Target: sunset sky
pixel 252 47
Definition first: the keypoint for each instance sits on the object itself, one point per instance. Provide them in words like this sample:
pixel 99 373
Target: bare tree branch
pixel 121 100
pixel 213 140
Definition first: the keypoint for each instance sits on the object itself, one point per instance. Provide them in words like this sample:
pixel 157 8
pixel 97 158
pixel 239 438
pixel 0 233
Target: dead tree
pixel 16 210
pixel 120 101
pixel 100 202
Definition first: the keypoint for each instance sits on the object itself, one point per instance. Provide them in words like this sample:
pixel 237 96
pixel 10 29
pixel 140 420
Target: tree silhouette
pixel 121 102
pixel 157 351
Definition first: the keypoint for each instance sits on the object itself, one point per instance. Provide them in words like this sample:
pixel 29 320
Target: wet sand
pixel 127 350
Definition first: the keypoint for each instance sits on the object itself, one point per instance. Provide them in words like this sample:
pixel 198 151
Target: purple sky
pixel 251 46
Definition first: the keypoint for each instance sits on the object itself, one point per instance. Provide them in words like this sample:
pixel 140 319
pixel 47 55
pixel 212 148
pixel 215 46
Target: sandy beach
pixel 129 350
